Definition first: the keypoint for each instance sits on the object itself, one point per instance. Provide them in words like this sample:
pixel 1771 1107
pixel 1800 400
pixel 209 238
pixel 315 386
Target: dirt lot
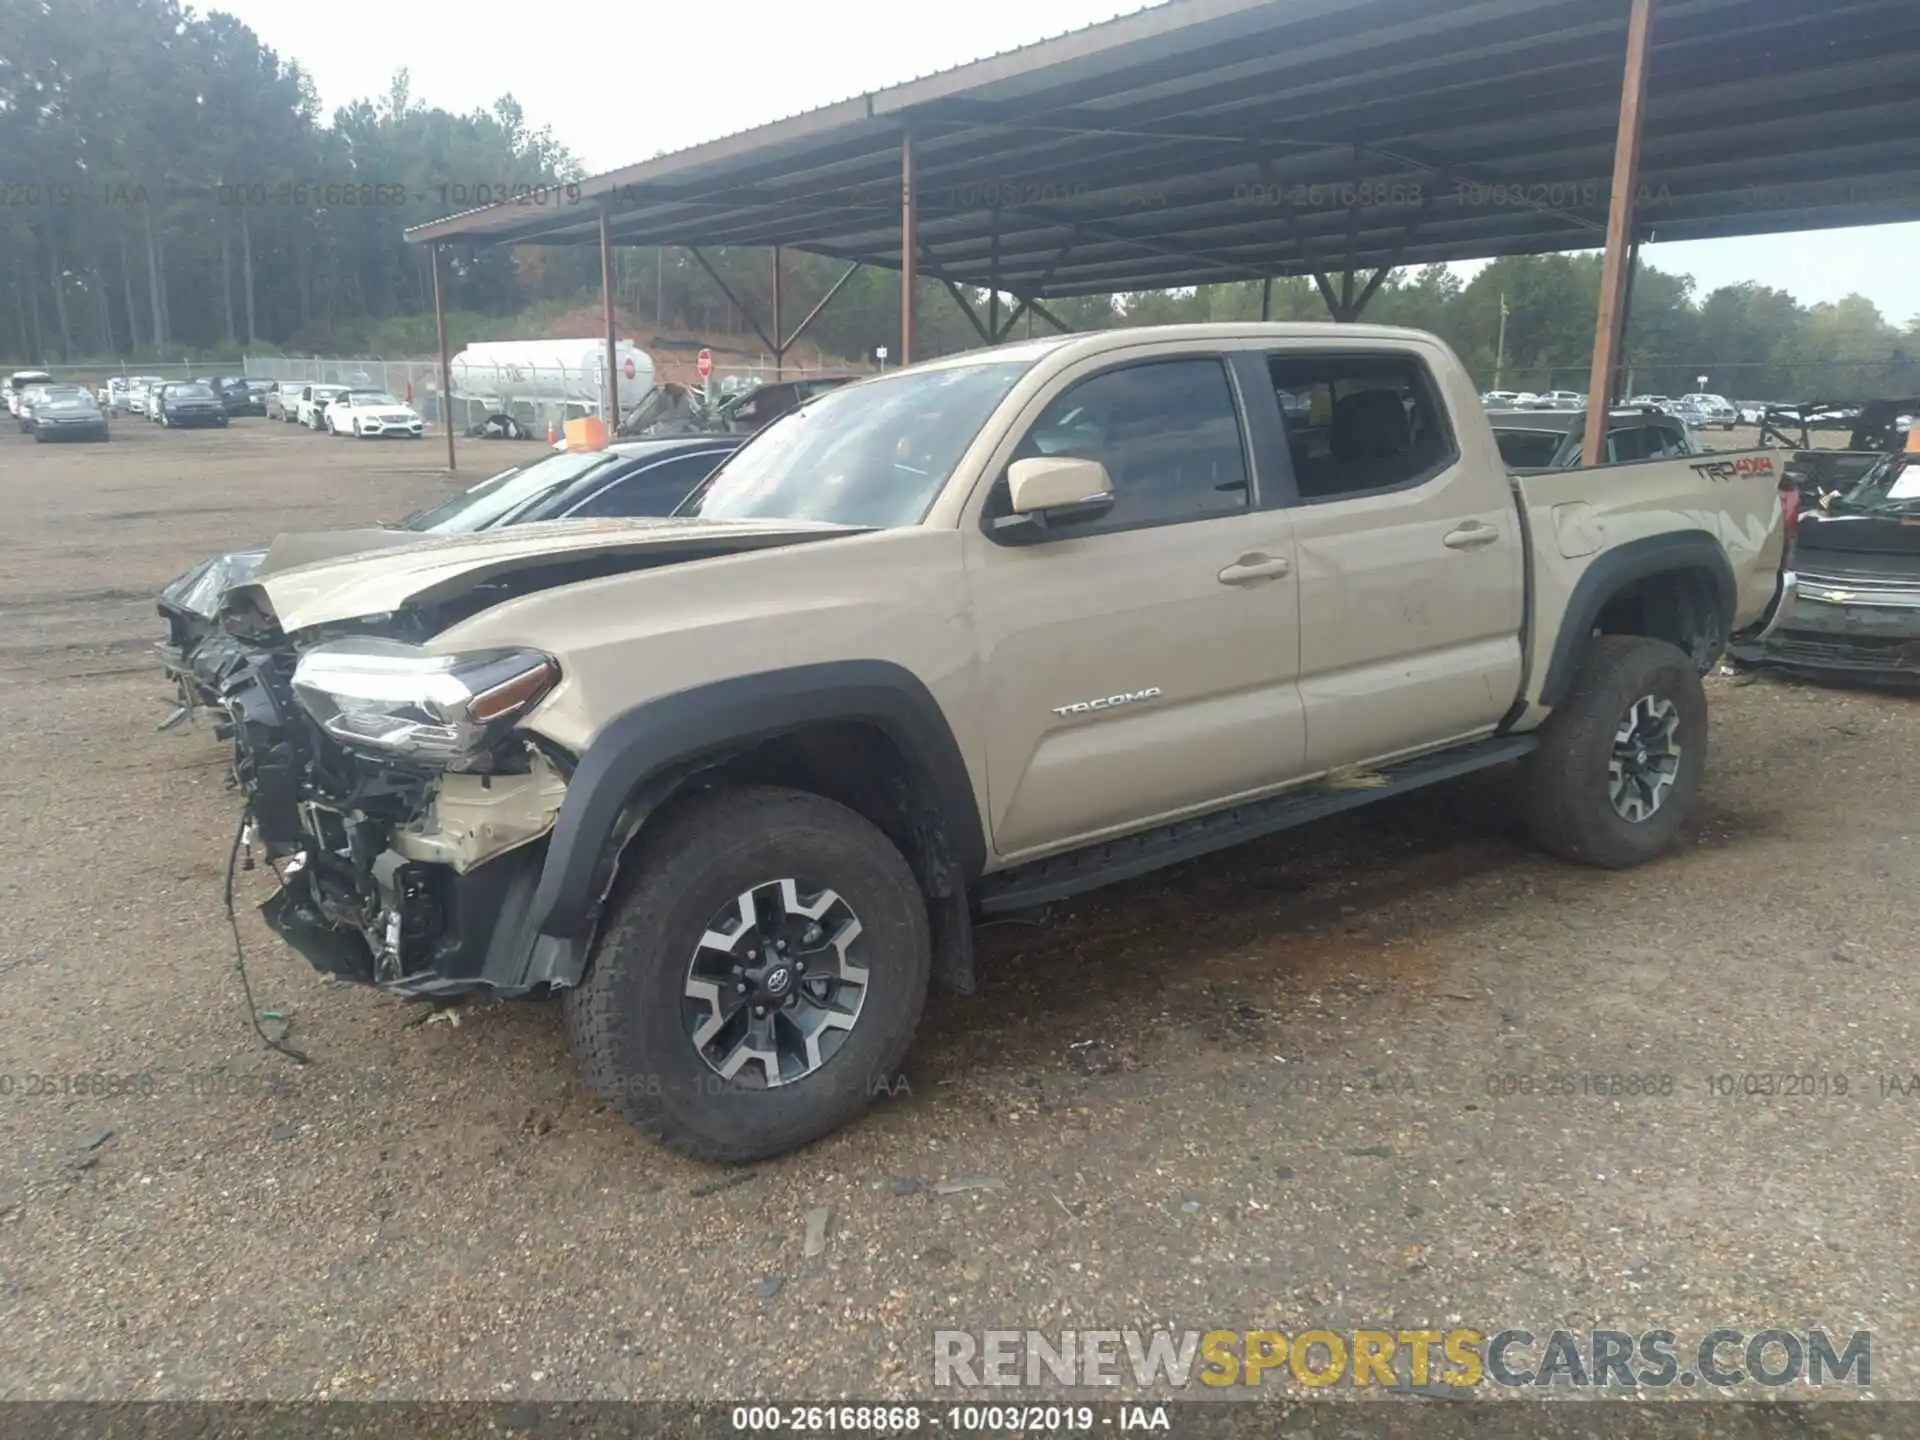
pixel 1306 1084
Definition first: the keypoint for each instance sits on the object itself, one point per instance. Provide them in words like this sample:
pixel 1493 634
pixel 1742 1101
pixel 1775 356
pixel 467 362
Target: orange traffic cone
pixel 553 435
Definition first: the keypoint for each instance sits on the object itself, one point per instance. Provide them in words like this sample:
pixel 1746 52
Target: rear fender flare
pixel 639 757
pixel 1616 571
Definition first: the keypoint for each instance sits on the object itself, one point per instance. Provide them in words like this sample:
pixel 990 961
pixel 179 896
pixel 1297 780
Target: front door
pixel 1140 664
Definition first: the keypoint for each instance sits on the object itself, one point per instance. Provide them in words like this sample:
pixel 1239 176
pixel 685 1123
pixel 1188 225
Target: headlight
pixel 400 700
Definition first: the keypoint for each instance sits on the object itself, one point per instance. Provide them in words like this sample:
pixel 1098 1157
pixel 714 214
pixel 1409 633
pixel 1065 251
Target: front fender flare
pixel 657 738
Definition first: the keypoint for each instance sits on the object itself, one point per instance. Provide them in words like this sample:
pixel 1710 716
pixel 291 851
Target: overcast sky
pixel 618 83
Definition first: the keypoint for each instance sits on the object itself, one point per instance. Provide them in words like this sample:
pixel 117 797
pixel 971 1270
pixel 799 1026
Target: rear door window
pixel 1371 422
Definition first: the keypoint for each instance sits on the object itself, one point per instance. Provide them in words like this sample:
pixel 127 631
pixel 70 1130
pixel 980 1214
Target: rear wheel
pixel 1619 765
pixel 760 977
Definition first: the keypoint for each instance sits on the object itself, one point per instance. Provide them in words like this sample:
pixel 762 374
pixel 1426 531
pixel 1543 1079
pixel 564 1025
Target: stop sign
pixel 703 362
pixel 630 371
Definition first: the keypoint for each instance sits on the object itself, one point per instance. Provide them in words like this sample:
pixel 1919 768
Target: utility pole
pixel 1500 355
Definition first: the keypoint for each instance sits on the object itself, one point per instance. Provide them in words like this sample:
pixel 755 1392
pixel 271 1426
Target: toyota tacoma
pixel 963 640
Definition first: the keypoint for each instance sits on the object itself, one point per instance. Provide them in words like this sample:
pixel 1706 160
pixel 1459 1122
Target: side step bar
pixel 1058 876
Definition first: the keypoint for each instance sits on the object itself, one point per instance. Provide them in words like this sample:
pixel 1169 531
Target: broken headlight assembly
pixel 389 698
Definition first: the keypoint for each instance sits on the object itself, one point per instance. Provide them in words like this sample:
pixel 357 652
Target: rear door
pixel 1139 665
pixel 1411 557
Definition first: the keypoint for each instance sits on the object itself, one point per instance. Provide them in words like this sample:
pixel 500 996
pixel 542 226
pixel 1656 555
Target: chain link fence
pixel 542 398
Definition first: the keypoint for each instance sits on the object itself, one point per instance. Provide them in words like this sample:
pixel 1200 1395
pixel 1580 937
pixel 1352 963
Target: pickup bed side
pixel 1688 551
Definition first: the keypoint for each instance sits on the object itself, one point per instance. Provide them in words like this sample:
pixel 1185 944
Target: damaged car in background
pixel 627 479
pixel 1853 606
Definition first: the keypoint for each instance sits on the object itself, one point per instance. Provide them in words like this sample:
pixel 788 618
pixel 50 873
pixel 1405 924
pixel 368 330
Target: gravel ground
pixel 1251 1092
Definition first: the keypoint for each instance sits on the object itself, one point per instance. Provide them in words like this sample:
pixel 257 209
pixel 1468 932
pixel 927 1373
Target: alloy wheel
pixel 1645 759
pixel 775 985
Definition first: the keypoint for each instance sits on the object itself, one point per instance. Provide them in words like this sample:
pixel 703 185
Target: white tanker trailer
pixel 501 374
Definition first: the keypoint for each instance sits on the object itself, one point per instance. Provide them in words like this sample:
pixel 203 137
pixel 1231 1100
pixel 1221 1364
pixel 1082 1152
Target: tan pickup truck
pixel 960 640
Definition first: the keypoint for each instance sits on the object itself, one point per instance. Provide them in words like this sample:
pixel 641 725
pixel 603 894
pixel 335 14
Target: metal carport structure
pixel 1203 141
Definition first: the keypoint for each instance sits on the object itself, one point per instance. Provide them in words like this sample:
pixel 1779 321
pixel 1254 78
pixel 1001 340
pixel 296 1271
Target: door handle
pixel 1471 536
pixel 1251 569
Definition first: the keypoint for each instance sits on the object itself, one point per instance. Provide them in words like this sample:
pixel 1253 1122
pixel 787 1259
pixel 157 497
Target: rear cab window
pixel 1360 423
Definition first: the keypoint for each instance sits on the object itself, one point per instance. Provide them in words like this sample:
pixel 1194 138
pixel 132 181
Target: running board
pixel 1058 876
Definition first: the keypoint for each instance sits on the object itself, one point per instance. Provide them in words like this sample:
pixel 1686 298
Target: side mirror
pixel 1060 485
pixel 1048 492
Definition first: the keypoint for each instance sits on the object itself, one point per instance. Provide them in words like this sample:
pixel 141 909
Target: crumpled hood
pixel 416 570
pixel 198 591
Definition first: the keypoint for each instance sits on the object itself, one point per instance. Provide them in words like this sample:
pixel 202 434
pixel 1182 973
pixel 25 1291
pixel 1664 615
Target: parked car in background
pixel 232 391
pixel 1500 399
pixel 629 478
pixel 311 408
pixel 1552 440
pixel 246 397
pixel 1874 429
pixel 186 403
pixel 282 398
pixel 1853 606
pixel 1651 402
pixel 18 383
pixel 372 414
pixel 35 398
pixel 69 415
pixel 1713 409
pixel 140 392
pixel 1751 412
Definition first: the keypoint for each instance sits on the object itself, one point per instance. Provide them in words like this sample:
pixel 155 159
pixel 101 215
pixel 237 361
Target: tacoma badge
pixel 1087 707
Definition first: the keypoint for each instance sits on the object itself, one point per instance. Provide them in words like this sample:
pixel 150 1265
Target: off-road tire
pixel 624 1020
pixel 1564 796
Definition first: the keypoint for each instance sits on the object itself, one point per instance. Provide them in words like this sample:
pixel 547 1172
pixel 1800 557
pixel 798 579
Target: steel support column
pixel 1622 367
pixel 993 281
pixel 606 306
pixel 1613 273
pixel 779 341
pixel 909 245
pixel 446 363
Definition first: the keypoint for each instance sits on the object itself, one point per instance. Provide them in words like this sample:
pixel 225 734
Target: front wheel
pixel 760 977
pixel 1620 760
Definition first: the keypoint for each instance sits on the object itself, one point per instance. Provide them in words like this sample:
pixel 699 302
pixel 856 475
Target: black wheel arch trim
pixel 633 756
pixel 1615 571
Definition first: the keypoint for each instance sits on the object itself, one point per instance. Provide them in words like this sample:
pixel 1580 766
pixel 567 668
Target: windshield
pixel 1528 449
pixel 189 392
pixel 371 397
pixel 1892 485
pixel 493 500
pixel 874 454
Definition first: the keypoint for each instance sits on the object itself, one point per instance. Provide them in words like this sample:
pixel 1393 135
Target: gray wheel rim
pixel 775 985
pixel 1645 759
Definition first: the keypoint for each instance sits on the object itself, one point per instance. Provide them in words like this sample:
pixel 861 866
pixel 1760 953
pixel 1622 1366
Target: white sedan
pixel 371 414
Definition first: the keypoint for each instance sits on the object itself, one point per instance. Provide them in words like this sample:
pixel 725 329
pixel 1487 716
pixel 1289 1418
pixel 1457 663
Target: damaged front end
pixel 198 655
pixel 405 816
